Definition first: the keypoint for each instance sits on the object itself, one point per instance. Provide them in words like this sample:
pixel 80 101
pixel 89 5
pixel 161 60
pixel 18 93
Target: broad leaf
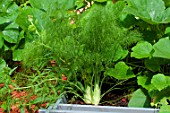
pixel 154 64
pixel 159 81
pixel 151 11
pixel 42 4
pixel 9 13
pixel 120 72
pixel 165 109
pixel 4 4
pixel 47 4
pixel 162 48
pixel 167 3
pixel 80 3
pixel 120 54
pixel 11 33
pixel 40 18
pixel 142 50
pixel 139 99
pixel 17 55
pixel 145 82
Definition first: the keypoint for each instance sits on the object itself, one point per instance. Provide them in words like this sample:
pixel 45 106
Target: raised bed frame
pixel 61 106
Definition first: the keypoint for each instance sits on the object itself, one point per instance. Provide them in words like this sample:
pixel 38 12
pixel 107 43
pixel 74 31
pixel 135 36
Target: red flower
pixel 64 78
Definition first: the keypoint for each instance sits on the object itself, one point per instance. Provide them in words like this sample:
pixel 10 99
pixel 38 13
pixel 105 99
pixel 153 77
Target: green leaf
pixel 151 11
pixel 162 48
pixel 165 109
pixel 40 18
pixel 9 13
pixel 145 82
pixel 142 50
pixel 153 64
pixel 158 96
pixel 139 99
pixel 159 81
pixel 79 3
pixel 42 4
pixel 4 106
pixel 120 54
pixel 11 35
pixel 167 3
pixel 100 0
pixel 17 55
pixel 2 64
pixel 47 4
pixel 4 5
pixel 1 42
pixel 167 30
pixel 120 72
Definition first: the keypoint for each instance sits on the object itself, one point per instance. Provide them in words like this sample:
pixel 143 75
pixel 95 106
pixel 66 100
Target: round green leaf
pixel 159 81
pixel 142 50
pixel 120 72
pixel 165 109
pixel 145 82
pixel 162 48
pixel 151 11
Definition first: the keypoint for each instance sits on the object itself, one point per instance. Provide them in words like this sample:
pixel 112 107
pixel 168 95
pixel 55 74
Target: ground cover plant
pixel 49 48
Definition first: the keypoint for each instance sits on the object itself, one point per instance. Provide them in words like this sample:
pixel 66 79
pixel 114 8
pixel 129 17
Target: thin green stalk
pixel 110 89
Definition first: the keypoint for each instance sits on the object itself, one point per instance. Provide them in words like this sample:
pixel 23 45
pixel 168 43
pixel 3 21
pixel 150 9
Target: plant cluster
pixel 47 49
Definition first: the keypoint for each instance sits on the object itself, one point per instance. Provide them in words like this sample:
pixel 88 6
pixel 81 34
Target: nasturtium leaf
pixel 159 81
pixel 139 99
pixel 162 48
pixel 142 50
pixel 120 72
pixel 151 11
pixel 145 82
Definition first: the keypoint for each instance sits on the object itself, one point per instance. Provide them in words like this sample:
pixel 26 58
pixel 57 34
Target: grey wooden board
pixel 105 108
pixel 75 108
pixel 71 111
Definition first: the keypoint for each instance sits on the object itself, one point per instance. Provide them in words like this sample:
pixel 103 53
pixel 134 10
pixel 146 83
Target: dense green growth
pixel 46 47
